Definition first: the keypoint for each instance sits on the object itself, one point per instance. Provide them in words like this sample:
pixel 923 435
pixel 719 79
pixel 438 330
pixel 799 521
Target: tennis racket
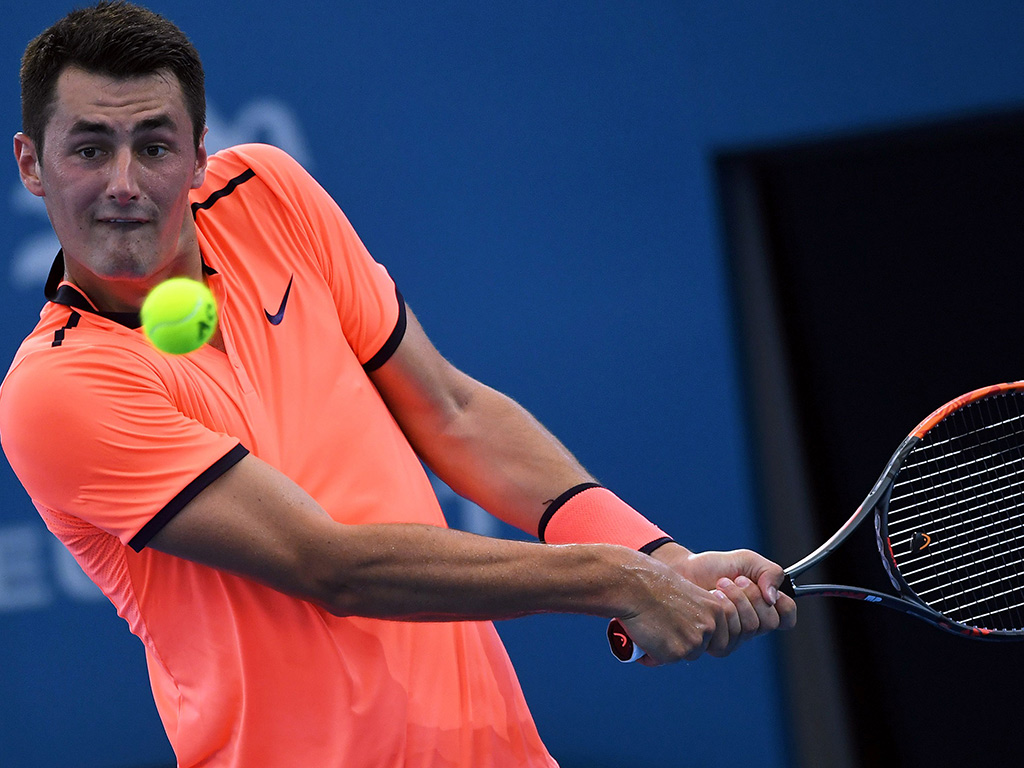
pixel 949 522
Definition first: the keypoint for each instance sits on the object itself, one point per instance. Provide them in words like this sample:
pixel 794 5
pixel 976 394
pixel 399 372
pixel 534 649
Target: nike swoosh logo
pixel 276 319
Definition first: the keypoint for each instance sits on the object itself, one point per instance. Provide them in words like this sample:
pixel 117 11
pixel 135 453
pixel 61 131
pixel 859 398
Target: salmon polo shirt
pixel 111 438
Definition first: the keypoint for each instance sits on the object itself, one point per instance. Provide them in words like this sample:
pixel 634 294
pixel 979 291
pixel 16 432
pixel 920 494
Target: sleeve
pixel 370 308
pixel 95 435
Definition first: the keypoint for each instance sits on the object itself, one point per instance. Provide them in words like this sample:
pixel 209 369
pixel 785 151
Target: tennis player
pixel 256 510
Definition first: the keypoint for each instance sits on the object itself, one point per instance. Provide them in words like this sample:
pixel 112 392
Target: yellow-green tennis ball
pixel 179 315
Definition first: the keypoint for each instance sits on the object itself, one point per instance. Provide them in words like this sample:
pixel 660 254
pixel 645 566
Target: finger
pixel 707 626
pixel 786 608
pixel 768 618
pixel 728 625
pixel 756 567
pixel 689 646
pixel 769 582
pixel 749 621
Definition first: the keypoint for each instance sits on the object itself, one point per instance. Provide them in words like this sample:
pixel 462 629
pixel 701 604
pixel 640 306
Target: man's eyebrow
pixel 88 126
pixel 154 123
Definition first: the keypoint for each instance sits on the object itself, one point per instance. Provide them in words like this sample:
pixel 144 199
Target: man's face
pixel 117 166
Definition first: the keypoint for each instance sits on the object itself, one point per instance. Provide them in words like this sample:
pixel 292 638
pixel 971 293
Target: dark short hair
pixel 111 38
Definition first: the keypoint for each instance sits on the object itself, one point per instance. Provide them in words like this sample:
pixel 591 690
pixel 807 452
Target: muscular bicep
pixel 255 522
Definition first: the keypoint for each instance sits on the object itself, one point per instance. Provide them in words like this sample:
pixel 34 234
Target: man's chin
pixel 122 262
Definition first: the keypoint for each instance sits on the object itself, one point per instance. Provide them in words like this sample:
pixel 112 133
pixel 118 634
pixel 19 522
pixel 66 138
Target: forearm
pixel 422 573
pixel 411 572
pixel 255 522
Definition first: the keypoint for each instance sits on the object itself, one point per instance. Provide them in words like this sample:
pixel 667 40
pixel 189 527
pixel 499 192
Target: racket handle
pixel 622 645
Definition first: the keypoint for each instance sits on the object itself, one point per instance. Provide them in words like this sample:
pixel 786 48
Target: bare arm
pixel 255 522
pixel 492 451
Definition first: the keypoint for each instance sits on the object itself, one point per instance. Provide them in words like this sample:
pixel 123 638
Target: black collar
pixel 60 292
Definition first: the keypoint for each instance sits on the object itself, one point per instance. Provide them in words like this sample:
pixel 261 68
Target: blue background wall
pixel 537 177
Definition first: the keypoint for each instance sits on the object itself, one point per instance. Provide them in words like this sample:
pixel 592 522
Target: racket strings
pixel 948 497
pixel 956 515
pixel 1005 604
pixel 938 484
pixel 995 533
pixel 974 458
pixel 994 592
pixel 983 567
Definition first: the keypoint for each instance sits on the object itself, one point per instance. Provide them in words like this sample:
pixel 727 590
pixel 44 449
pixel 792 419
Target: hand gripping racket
pixel 949 523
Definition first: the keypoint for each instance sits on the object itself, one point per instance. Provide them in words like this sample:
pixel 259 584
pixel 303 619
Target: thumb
pixel 769 582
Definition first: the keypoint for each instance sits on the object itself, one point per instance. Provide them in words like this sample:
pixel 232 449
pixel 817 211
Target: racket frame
pixel 877 502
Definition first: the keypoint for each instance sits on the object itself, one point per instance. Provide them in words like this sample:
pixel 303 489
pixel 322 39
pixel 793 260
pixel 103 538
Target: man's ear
pixel 29 164
pixel 202 158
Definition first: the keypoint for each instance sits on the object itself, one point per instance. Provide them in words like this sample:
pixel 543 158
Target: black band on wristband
pixel 557 504
pixel 649 548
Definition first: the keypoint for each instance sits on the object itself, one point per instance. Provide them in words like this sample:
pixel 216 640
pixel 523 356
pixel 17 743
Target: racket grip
pixel 622 645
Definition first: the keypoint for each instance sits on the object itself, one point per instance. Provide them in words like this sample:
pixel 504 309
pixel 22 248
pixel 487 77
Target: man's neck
pixel 117 293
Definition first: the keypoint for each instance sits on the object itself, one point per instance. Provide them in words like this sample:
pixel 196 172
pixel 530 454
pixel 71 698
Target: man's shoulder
pixel 71 347
pixel 262 159
pixel 232 168
pixel 63 371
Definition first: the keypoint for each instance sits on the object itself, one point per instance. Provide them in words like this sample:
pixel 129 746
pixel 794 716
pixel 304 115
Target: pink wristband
pixel 591 514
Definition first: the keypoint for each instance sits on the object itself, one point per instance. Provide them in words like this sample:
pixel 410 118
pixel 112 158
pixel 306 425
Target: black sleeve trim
pixel 557 504
pixel 649 548
pixel 393 341
pixel 226 190
pixel 58 335
pixel 189 492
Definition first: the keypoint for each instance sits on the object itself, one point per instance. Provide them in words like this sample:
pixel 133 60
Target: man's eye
pixel 155 151
pixel 88 152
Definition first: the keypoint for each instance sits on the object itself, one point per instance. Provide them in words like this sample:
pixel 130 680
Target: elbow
pixel 337 602
pixel 324 581
pixel 334 594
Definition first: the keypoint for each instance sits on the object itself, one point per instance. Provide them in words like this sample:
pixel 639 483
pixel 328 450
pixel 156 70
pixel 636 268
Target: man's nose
pixel 123 184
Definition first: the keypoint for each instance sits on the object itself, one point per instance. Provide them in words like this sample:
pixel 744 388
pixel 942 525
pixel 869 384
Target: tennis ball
pixel 179 315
